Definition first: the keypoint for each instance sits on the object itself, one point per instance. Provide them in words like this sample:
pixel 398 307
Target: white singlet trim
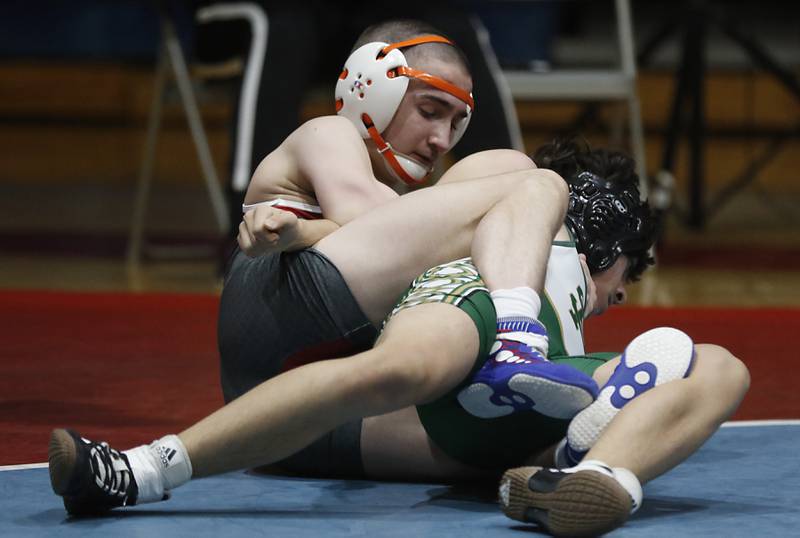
pixel 285 203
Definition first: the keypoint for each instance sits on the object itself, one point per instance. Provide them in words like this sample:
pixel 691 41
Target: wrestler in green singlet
pixel 499 443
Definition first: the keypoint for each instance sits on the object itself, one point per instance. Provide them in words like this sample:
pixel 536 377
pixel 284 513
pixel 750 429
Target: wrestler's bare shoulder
pixel 325 130
pixel 329 148
pixel 325 142
pixel 282 174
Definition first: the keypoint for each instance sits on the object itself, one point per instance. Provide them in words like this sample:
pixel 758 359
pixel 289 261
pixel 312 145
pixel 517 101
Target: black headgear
pixel 607 219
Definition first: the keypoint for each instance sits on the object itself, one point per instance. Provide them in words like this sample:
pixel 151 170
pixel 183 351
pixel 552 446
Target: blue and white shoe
pixel 518 377
pixel 651 359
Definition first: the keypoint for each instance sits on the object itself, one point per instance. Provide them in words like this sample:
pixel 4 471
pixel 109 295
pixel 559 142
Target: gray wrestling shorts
pixel 281 311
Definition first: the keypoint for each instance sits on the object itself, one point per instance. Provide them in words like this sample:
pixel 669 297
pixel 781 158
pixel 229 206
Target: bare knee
pixel 559 185
pixel 718 370
pixel 389 382
pixel 546 185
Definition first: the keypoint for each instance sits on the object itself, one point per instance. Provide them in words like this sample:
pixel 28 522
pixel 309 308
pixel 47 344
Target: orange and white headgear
pixel 369 91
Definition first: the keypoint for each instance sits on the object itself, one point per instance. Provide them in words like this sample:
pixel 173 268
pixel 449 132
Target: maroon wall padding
pixel 128 368
pixel 763 338
pixel 121 367
pixel 726 257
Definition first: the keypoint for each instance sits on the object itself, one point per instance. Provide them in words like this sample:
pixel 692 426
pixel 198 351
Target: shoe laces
pixel 528 331
pixel 525 342
pixel 110 469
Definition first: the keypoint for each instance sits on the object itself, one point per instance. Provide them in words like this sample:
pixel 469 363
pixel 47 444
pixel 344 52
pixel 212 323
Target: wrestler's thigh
pixel 380 252
pixel 395 446
pixel 429 348
pixel 487 163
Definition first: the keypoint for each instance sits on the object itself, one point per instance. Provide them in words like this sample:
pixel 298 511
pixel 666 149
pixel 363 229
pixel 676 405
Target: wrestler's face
pixel 610 286
pixel 424 124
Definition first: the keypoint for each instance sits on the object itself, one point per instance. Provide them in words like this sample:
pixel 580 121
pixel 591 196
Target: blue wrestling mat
pixel 744 482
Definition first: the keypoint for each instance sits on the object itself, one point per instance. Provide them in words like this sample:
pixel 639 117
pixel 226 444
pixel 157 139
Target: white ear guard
pixel 370 88
pixel 364 87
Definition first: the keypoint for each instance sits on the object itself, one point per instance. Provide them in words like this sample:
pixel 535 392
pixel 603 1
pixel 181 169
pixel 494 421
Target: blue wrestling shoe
pixel 518 377
pixel 652 358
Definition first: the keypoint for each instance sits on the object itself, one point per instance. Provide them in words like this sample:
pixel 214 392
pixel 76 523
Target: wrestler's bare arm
pixel 395 446
pixel 333 158
pixel 324 162
pixel 481 164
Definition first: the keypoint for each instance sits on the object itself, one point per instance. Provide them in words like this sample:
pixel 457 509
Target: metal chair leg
pixel 178 63
pixel 135 239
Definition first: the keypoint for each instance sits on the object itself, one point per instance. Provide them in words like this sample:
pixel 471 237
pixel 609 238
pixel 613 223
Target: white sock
pixel 520 305
pixel 159 467
pixel 623 476
pixel 516 302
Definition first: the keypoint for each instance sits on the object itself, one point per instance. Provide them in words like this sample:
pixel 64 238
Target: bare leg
pixel 395 446
pixel 659 429
pixel 506 222
pixel 285 413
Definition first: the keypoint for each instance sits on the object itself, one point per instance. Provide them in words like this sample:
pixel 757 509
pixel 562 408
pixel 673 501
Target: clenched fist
pixel 265 229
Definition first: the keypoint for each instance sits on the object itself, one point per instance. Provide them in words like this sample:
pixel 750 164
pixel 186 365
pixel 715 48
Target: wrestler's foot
pixel 584 501
pixel 651 359
pixel 91 477
pixel 518 377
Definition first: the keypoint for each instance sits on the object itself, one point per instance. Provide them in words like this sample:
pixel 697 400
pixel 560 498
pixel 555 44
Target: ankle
pixel 624 478
pixel 159 467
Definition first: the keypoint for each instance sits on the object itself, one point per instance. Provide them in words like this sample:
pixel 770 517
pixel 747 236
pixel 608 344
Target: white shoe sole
pixel 669 350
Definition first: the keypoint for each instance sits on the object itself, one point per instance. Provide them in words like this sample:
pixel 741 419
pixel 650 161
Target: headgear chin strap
pixel 369 92
pixel 607 219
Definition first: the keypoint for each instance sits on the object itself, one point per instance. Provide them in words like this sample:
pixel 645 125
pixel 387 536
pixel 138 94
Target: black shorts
pixel 281 311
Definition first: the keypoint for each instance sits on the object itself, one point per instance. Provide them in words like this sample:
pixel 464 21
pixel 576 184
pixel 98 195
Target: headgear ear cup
pixel 366 87
pixel 369 91
pixel 607 219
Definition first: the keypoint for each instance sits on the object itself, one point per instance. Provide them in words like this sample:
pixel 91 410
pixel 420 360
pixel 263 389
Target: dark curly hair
pixel 605 213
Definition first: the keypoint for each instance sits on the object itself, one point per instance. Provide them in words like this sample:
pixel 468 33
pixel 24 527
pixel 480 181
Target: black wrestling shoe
pixel 571 503
pixel 92 477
